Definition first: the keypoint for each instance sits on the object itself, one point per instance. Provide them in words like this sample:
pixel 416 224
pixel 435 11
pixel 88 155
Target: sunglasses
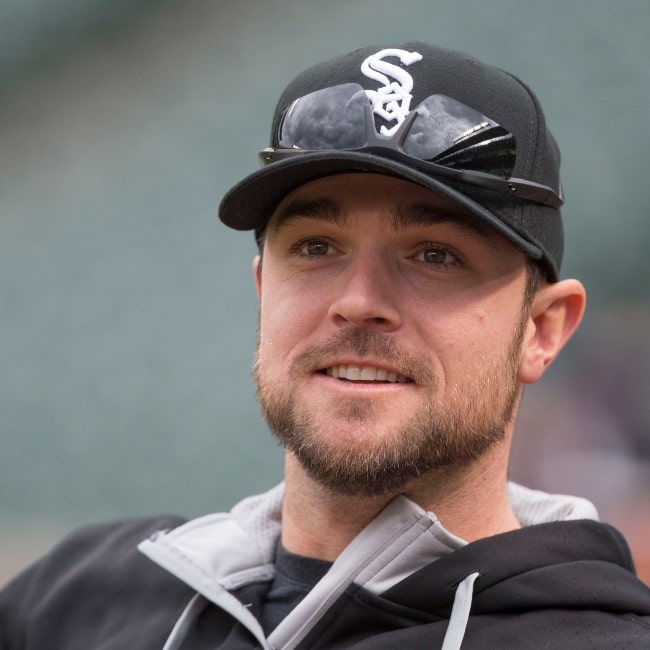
pixel 441 137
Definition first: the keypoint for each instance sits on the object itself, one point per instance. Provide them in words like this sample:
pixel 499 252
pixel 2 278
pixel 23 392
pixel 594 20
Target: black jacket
pixel 555 585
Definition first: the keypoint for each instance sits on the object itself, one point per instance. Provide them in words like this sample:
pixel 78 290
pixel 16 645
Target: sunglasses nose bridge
pixel 371 136
pixel 397 140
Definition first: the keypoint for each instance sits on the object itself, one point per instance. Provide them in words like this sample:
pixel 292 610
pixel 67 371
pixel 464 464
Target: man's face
pixel 390 332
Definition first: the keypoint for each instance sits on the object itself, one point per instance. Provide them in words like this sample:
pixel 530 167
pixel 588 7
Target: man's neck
pixel 470 502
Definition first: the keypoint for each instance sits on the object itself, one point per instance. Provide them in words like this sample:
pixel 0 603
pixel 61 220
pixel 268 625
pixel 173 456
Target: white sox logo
pixel 392 101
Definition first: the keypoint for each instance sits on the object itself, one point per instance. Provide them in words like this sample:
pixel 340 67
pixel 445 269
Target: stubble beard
pixel 470 422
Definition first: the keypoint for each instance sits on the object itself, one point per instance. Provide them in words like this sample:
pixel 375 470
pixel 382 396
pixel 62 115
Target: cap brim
pixel 249 204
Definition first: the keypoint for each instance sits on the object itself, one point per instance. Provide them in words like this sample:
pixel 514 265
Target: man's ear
pixel 555 315
pixel 257 273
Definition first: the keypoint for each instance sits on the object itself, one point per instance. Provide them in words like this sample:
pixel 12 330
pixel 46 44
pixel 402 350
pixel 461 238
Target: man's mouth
pixel 365 374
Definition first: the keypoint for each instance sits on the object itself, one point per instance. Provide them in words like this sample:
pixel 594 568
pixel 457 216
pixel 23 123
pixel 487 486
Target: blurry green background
pixel 127 312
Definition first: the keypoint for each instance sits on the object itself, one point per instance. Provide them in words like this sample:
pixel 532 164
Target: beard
pixel 452 433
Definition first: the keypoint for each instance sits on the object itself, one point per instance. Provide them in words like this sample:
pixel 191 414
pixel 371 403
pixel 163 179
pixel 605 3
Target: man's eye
pixel 314 248
pixel 437 255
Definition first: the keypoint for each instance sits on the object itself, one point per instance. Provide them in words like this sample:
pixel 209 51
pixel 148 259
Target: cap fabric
pixel 534 228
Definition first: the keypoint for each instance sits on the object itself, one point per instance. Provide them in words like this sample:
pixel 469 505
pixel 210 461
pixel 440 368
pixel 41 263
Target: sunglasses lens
pixel 332 118
pixel 451 134
pixel 444 131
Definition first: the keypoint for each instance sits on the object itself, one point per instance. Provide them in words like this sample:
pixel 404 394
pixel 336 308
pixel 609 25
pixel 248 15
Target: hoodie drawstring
pixel 460 613
pixel 453 638
pixel 183 624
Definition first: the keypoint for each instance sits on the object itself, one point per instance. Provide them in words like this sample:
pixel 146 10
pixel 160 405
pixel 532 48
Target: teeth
pixel 353 373
pixel 368 374
pixel 365 373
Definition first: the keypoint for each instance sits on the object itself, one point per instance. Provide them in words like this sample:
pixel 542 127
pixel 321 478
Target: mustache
pixel 362 344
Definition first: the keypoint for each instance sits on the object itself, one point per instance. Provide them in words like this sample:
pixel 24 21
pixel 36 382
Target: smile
pixel 365 373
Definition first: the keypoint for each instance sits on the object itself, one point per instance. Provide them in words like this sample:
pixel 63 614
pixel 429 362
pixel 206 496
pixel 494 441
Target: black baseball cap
pixel 429 115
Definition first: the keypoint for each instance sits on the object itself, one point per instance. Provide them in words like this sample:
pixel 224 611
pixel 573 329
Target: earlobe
pixel 555 315
pixel 257 275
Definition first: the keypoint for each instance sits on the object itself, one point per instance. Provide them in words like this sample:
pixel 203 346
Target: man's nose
pixel 367 295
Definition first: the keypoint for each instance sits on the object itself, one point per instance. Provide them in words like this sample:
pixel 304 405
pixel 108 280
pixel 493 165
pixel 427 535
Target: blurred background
pixel 127 312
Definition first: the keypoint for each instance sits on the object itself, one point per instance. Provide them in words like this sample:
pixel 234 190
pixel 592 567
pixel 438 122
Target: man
pixel 410 240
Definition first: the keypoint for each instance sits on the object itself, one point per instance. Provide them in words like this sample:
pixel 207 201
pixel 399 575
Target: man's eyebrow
pixel 319 209
pixel 423 214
